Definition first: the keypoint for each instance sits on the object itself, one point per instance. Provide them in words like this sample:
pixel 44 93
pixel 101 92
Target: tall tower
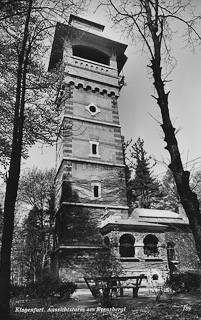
pixel 90 179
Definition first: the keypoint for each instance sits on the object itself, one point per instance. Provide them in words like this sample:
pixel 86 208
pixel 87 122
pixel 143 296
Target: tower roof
pixel 83 23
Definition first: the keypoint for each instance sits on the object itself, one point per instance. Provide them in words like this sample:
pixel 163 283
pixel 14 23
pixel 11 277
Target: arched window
pixel 150 246
pixel 107 241
pixel 91 54
pixel 126 248
pixel 155 277
pixel 171 251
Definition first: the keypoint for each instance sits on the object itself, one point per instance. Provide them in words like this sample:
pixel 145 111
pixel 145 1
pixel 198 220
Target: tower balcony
pixel 91 70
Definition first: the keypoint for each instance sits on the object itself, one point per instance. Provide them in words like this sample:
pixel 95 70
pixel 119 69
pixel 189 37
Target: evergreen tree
pixel 143 188
pixel 170 199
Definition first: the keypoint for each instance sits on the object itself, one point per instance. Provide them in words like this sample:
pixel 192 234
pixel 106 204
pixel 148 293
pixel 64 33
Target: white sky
pixel 136 105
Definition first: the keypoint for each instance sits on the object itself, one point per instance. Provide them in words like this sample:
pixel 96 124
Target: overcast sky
pixel 138 110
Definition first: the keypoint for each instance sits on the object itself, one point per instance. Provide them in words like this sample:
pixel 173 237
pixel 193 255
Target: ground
pixel 83 306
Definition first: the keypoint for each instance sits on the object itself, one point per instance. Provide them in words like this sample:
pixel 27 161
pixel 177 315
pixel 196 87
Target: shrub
pixel 186 281
pixel 16 290
pixel 41 289
pixel 66 289
pixel 49 288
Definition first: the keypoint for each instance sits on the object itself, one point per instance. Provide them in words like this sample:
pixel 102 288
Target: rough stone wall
pixel 186 257
pixel 140 263
pixel 112 184
pixel 184 249
pixel 79 226
pixel 77 264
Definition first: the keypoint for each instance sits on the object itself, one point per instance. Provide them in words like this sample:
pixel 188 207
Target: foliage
pixel 47 288
pixel 36 188
pixel 27 98
pixel 103 264
pixel 44 288
pixel 40 112
pixel 186 281
pixel 16 290
pixel 196 184
pixel 35 236
pixel 170 195
pixel 170 198
pixel 143 189
pixel 66 289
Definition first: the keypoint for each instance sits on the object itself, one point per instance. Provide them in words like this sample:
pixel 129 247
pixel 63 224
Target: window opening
pixel 92 108
pixel 150 246
pixel 107 241
pixel 94 148
pixel 126 248
pixel 171 251
pixel 96 191
pixel 155 277
pixel 91 54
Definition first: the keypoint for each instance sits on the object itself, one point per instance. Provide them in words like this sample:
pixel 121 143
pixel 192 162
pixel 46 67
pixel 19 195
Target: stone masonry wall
pixel 185 250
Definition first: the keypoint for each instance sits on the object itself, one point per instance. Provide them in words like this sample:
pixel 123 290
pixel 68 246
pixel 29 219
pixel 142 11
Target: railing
pixel 93 66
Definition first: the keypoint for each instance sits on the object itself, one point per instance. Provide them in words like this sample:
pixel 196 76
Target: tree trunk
pixel 11 194
pixel 14 174
pixel 187 197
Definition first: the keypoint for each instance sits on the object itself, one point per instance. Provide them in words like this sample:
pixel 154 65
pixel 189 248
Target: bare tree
pixel 36 189
pixel 151 23
pixel 26 26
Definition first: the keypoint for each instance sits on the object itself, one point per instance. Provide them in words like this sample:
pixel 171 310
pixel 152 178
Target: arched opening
pixel 171 251
pixel 91 54
pixel 155 277
pixel 150 246
pixel 126 248
pixel 106 241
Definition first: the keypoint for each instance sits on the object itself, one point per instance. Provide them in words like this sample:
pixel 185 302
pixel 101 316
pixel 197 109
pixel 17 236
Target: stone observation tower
pixel 90 178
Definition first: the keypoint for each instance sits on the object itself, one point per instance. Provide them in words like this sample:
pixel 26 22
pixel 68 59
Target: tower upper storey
pixel 87 53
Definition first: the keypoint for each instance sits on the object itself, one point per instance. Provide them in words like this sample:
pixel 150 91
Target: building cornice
pixel 85 81
pixel 131 226
pixel 90 162
pixel 63 247
pixel 94 162
pixel 94 205
pixel 93 121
